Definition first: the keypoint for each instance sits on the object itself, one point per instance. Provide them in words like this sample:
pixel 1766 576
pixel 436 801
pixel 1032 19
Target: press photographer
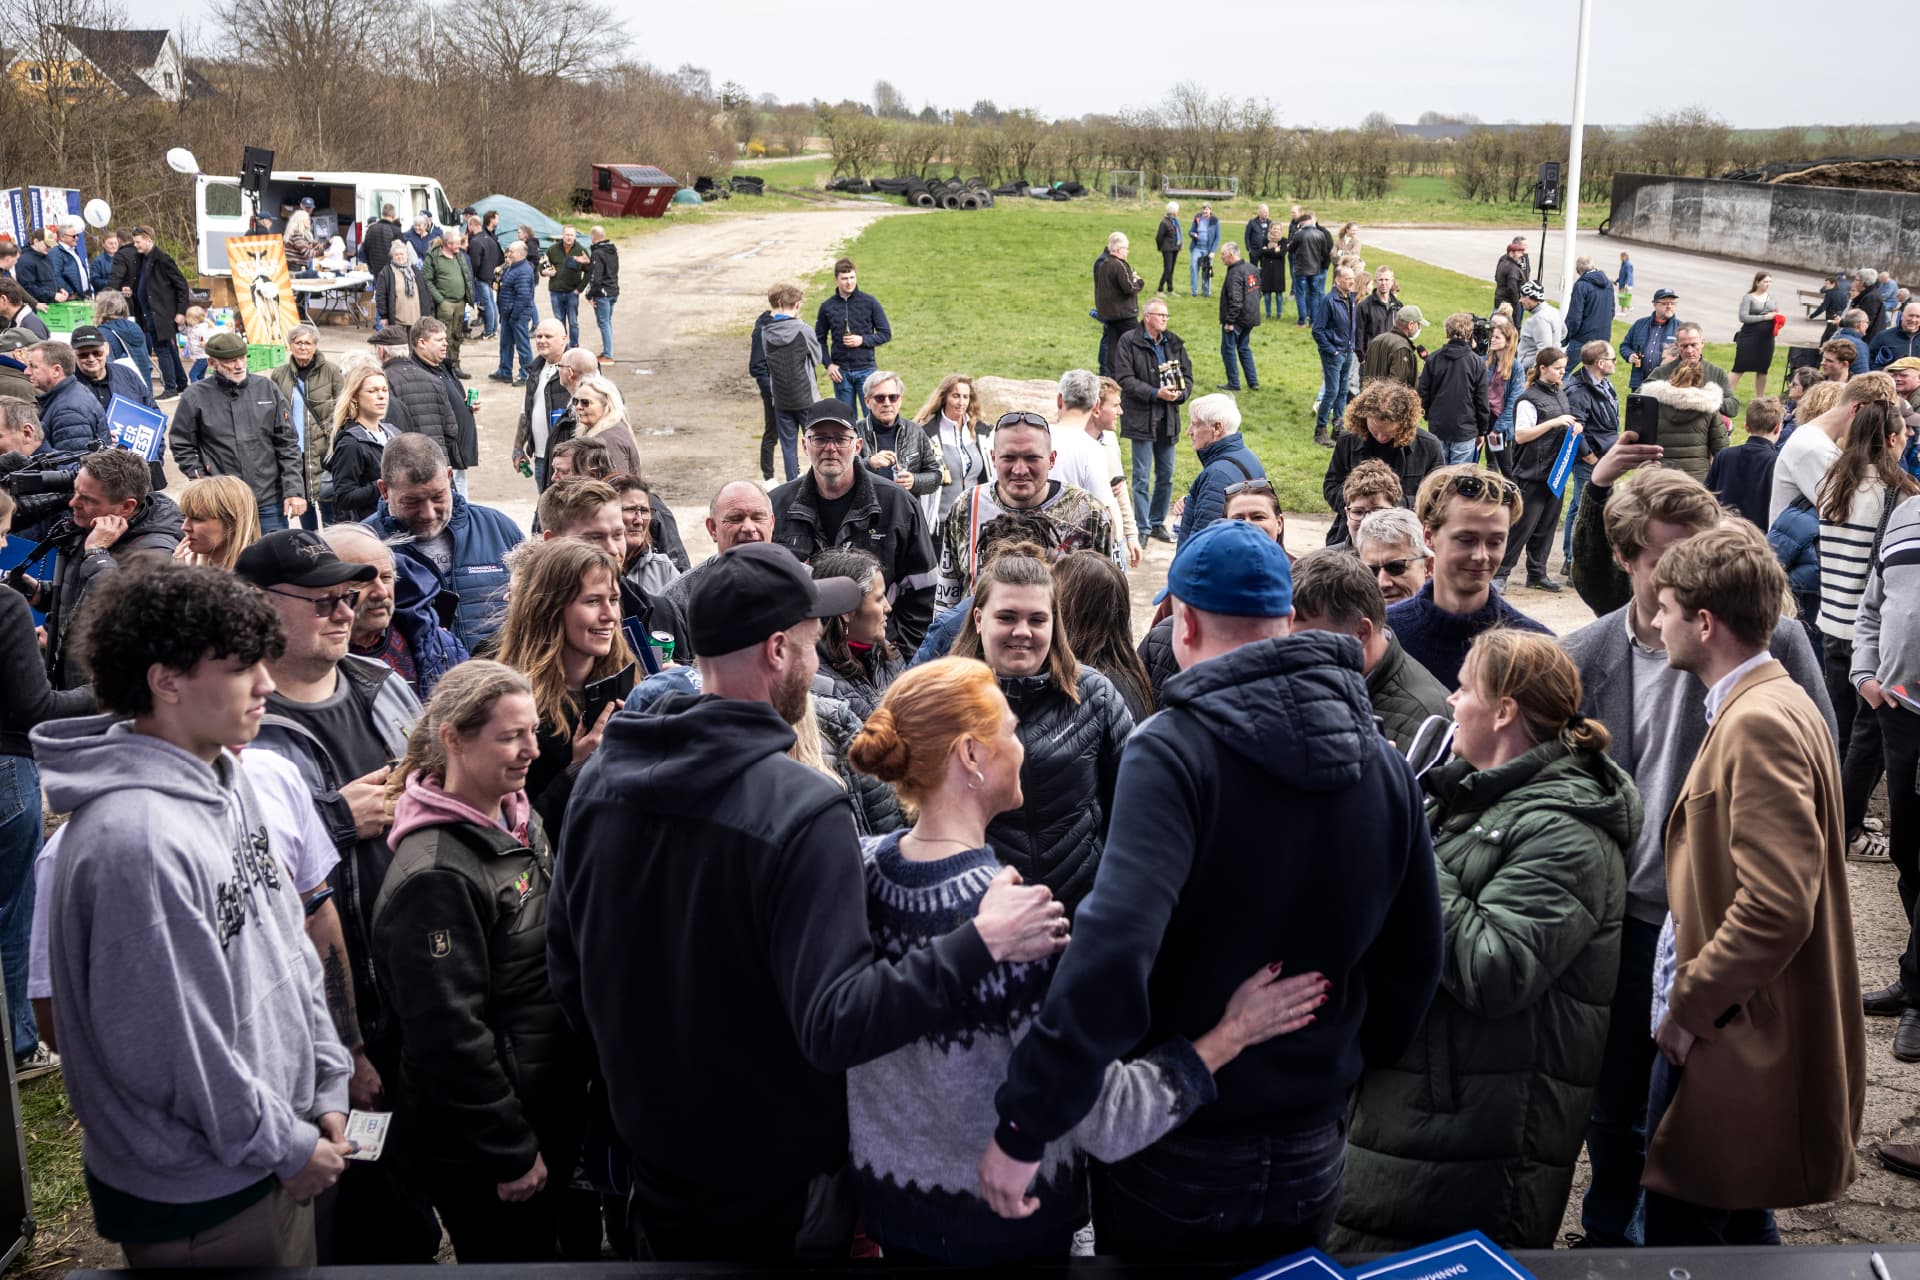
pixel 111 517
pixel 34 475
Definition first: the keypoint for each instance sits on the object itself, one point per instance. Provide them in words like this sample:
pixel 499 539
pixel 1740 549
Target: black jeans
pixel 1673 1224
pixel 485 1228
pixel 1539 513
pixel 1860 753
pixel 1168 257
pixel 770 434
pixel 1221 1199
pixel 1111 331
pixel 1617 1126
pixel 813 1222
pixel 1900 748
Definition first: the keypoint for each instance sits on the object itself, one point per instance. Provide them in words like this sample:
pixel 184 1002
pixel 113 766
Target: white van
pixel 345 204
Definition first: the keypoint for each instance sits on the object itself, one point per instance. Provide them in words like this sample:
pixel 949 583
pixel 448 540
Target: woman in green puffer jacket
pixel 1478 1125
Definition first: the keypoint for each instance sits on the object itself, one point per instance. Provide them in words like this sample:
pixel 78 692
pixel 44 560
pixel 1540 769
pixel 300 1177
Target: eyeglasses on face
pixel 879 397
pixel 581 402
pixel 323 606
pixel 830 442
pixel 1392 568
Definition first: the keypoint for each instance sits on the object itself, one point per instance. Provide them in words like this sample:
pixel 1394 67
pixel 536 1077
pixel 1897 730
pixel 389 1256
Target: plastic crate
pixel 65 317
pixel 263 356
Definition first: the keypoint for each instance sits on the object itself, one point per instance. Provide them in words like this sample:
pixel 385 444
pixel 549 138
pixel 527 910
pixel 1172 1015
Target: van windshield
pixel 222 199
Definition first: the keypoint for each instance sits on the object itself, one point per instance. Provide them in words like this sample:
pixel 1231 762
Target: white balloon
pixel 97 213
pixel 181 160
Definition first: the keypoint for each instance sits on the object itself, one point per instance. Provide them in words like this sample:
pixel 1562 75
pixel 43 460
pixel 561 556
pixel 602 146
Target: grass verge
pixel 1006 291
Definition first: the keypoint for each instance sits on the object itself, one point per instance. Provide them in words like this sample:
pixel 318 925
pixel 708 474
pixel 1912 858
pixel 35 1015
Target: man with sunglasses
pixel 837 502
pixel 1023 458
pixel 341 721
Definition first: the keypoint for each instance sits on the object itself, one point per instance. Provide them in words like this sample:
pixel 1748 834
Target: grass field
pixel 1011 290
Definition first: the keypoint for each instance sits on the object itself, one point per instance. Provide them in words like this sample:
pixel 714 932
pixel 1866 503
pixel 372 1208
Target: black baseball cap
pixel 87 335
pixel 754 590
pixel 825 412
pixel 299 558
pixel 1661 295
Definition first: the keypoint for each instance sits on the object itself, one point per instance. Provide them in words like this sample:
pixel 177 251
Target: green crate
pixel 263 356
pixel 65 317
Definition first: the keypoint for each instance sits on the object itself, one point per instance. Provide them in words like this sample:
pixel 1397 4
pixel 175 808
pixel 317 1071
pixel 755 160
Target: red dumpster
pixel 631 190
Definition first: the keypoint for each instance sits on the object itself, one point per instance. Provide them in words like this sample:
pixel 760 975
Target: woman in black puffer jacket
pixel 1073 725
pixel 855 657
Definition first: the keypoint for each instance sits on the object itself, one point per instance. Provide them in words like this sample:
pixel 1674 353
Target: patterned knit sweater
pixel 921 1115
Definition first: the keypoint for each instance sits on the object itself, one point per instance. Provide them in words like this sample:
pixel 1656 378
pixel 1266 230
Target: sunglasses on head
pixel 1020 417
pixel 1477 485
pixel 1259 485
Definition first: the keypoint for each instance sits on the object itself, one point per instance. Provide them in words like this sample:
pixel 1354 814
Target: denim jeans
pixel 1199 273
pixel 199 371
pixel 1610 1215
pixel 1461 454
pixel 172 376
pixel 489 312
pixel 21 827
pixel 1307 292
pixel 603 316
pixel 273 515
pixel 787 422
pixel 1577 477
pixel 847 390
pixel 516 342
pixel 566 309
pixel 1155 457
pixel 1238 342
pixel 1221 1199
pixel 1335 367
pixel 1675 1223
pixel 1111 331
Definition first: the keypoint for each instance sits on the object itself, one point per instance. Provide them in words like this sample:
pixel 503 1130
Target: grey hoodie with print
pixel 194 1037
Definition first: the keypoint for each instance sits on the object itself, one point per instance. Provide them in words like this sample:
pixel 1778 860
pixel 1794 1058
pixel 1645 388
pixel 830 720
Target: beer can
pixel 662 644
pixel 473 397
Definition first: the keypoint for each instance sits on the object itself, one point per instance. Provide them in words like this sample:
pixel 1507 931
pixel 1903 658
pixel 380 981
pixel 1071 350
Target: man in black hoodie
pixel 1195 886
pixel 603 286
pixel 707 930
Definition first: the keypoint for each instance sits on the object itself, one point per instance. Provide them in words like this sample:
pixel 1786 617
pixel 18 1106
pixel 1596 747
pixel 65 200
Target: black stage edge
pixel 1836 1262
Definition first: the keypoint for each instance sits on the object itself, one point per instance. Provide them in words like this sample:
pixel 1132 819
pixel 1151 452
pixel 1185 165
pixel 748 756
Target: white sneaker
pixel 41 1062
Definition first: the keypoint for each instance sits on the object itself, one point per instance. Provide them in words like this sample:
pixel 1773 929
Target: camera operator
pixel 35 476
pixel 110 518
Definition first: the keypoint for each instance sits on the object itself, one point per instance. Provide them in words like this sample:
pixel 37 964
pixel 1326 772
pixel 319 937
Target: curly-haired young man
pixel 196 1043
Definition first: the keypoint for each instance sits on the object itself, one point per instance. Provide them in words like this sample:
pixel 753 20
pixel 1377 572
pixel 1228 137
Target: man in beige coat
pixel 1756 1097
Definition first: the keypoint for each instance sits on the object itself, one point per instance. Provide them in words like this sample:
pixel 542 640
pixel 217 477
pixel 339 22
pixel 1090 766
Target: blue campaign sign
pixel 1466 1257
pixel 14 552
pixel 137 428
pixel 1563 463
pixel 1310 1265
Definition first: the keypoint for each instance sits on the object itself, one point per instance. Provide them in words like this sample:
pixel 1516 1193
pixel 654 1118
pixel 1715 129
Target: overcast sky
pixel 1494 58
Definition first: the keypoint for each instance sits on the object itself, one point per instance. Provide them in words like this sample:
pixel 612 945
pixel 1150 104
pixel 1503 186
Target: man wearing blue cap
pixel 1262 732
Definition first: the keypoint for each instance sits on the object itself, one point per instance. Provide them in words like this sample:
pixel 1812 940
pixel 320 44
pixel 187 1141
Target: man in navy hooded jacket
pixel 1198 884
pixel 1590 312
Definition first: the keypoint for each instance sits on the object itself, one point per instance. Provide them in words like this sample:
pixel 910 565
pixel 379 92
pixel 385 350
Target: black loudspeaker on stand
pixel 1546 198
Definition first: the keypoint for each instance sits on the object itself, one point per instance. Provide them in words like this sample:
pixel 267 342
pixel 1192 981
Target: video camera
pixel 39 483
pixel 1482 335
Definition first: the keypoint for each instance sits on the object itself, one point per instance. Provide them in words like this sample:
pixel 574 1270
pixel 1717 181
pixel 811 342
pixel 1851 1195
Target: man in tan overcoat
pixel 1756 1098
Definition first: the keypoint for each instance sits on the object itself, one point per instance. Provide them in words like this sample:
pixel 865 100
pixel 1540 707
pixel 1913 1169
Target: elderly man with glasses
pixel 837 502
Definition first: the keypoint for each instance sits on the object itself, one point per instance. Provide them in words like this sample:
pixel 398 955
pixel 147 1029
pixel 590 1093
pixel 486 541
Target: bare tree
pixel 70 95
pixel 888 102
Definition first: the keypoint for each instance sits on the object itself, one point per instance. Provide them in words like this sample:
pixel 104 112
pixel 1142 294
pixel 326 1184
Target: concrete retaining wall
pixel 1820 228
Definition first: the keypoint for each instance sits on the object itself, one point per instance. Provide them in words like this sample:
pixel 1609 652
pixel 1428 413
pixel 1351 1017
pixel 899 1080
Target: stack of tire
pixel 948 193
pixel 746 184
pixel 851 186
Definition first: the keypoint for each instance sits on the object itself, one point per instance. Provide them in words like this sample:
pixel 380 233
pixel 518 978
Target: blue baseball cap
pixel 1231 567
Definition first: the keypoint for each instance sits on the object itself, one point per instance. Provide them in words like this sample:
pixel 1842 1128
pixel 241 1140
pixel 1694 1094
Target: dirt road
pixel 687 296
